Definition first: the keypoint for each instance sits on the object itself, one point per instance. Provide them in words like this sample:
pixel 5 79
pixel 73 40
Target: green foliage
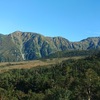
pixel 72 53
pixel 69 80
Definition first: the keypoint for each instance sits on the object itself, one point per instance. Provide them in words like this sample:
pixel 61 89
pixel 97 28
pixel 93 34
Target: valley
pixel 35 67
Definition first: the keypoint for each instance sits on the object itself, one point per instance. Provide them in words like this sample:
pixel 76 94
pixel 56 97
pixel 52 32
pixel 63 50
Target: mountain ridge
pixel 19 45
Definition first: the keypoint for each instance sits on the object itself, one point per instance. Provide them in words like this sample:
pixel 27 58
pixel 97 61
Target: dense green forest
pixel 73 53
pixel 69 80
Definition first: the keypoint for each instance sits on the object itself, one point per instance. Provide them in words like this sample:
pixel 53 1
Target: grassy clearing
pixel 5 66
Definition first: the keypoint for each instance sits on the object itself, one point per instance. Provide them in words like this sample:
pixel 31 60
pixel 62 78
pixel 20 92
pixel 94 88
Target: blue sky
pixel 71 19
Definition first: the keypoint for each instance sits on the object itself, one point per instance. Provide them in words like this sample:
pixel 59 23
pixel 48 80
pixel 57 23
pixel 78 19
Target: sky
pixel 71 19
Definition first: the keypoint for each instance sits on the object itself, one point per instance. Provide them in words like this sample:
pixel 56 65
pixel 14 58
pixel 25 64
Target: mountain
pixel 19 45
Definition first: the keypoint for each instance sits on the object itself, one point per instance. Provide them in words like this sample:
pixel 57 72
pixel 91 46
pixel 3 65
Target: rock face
pixel 19 46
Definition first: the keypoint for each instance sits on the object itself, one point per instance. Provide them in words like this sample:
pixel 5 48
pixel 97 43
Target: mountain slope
pixel 19 45
pixel 33 45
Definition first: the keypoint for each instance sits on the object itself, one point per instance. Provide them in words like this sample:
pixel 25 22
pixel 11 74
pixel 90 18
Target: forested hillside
pixel 69 80
pixel 73 53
